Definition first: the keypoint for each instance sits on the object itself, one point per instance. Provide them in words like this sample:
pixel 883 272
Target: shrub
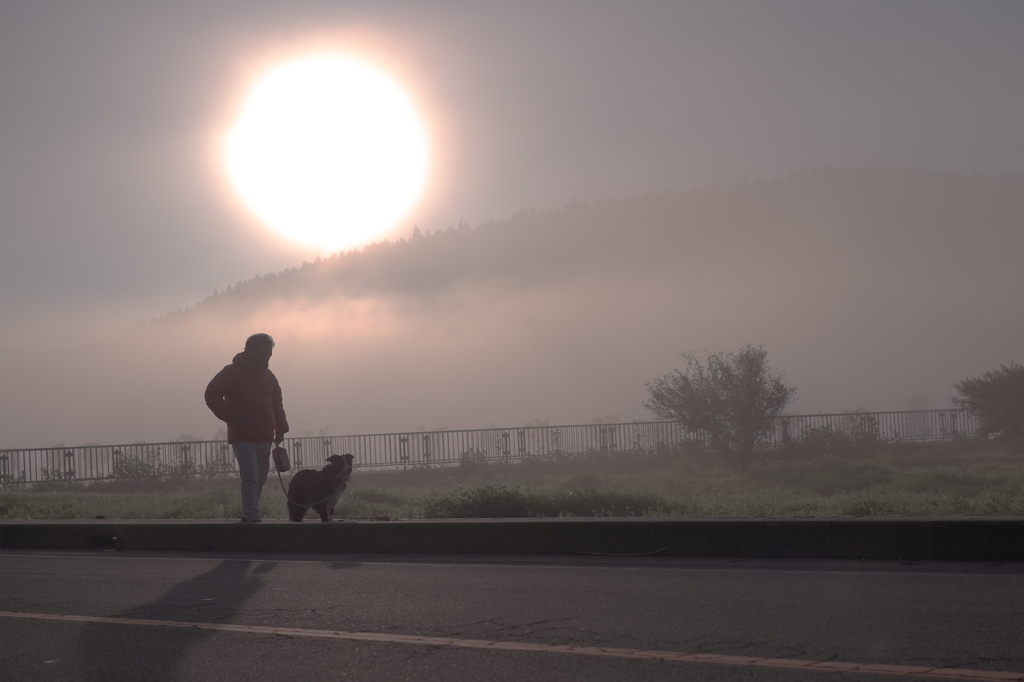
pixel 732 397
pixel 490 501
pixel 824 441
pixel 997 399
pixel 498 501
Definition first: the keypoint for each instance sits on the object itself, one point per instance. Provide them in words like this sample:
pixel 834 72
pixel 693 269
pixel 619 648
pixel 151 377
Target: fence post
pixel 186 451
pixel 69 464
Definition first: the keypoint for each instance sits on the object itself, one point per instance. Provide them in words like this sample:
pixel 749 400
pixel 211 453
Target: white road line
pixel 645 654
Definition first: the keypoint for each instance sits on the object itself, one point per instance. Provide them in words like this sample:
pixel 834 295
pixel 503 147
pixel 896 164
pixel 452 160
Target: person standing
pixel 247 396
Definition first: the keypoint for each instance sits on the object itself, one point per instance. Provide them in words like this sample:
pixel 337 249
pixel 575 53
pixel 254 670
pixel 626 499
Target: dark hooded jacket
pixel 247 396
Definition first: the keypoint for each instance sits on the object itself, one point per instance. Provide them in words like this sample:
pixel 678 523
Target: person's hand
pixel 279 439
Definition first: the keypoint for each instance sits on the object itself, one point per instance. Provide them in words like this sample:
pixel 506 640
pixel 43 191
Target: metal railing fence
pixel 211 459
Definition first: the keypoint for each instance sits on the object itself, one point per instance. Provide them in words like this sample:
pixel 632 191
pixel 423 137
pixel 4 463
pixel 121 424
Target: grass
pixel 940 478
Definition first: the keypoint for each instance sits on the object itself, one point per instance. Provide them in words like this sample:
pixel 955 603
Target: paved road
pixel 932 614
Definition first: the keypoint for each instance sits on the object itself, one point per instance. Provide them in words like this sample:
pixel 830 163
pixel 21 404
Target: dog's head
pixel 340 466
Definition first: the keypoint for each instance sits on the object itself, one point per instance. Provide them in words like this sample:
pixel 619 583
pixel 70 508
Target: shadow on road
pixel 126 652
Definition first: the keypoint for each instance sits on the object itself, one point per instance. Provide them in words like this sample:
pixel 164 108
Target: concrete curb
pixel 968 537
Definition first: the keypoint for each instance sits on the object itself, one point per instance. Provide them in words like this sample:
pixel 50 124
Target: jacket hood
pixel 246 362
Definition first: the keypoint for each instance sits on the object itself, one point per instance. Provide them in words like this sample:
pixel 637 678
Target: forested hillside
pixel 898 222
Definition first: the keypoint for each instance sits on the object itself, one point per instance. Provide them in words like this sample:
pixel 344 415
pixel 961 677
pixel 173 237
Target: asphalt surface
pixel 964 615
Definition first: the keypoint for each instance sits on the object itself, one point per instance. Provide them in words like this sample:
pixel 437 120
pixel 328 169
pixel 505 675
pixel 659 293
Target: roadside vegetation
pixel 824 474
pixel 732 398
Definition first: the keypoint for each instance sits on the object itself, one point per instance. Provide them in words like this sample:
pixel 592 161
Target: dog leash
pixel 299 504
pixel 282 463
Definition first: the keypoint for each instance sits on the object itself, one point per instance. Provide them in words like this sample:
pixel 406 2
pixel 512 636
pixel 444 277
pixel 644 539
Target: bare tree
pixel 733 397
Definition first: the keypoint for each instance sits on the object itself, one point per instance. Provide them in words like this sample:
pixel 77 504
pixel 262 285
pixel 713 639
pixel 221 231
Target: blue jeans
pixel 253 467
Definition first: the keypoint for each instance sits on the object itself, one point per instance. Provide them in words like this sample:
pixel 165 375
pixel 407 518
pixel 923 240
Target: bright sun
pixel 327 151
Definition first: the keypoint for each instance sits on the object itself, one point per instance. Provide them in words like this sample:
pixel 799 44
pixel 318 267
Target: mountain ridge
pixel 656 231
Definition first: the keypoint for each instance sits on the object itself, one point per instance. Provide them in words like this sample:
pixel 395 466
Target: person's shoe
pixel 245 520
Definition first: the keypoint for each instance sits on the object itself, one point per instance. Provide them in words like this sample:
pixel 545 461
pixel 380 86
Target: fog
pixel 840 182
pixel 866 287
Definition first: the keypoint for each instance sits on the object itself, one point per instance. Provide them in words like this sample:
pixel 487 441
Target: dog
pixel 320 490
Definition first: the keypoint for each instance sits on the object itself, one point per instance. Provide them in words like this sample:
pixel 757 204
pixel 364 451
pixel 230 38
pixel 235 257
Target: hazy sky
pixel 114 206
